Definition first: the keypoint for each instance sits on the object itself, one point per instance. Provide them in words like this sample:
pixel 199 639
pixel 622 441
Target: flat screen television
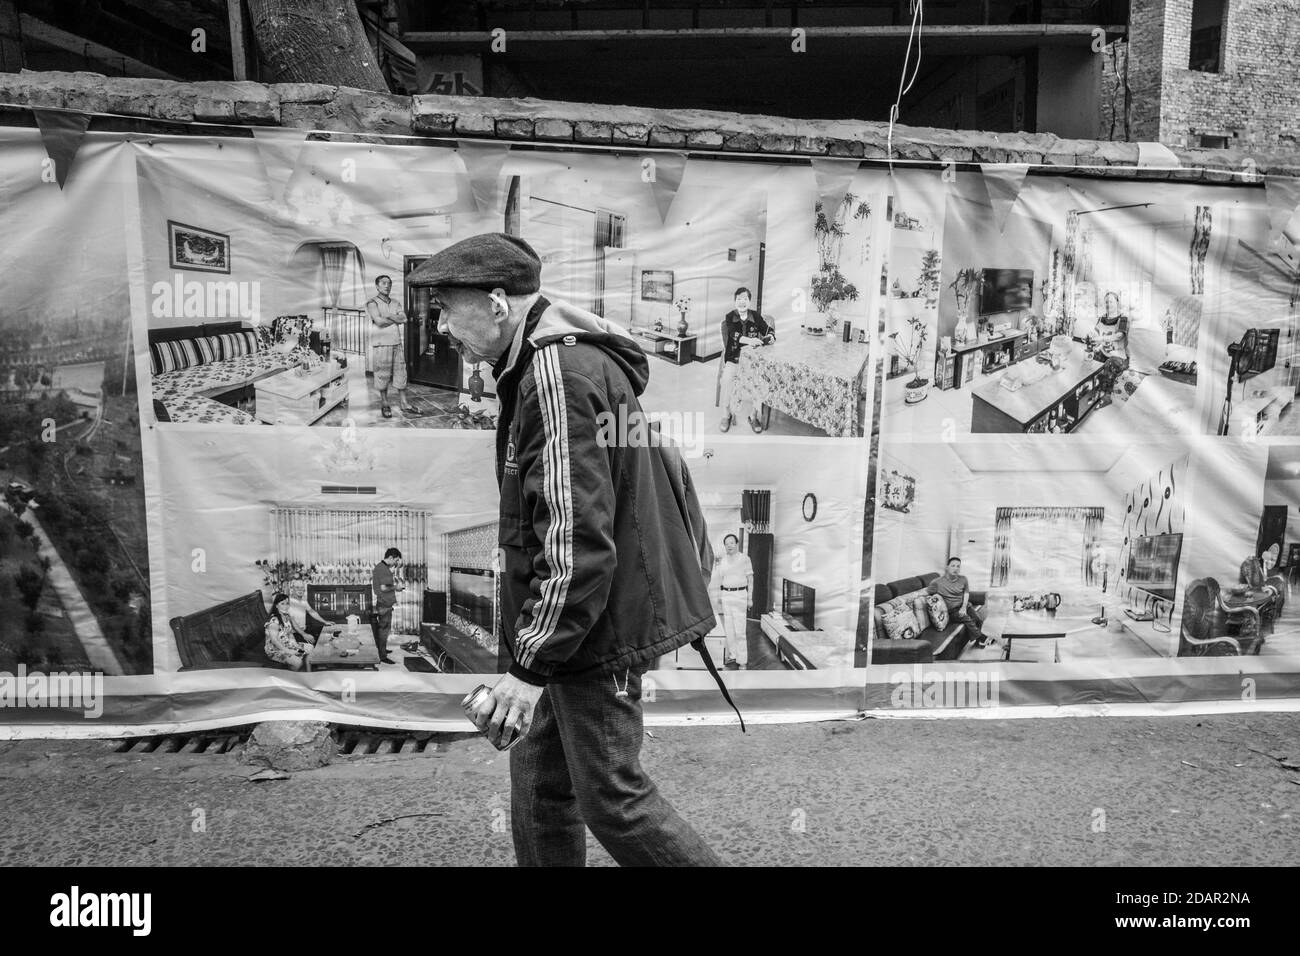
pixel 1153 564
pixel 799 601
pixel 471 595
pixel 1006 290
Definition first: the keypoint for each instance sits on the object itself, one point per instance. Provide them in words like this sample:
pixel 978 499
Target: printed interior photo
pixel 273 284
pixel 1024 551
pixel 703 293
pixel 1253 365
pixel 296 570
pixel 334 549
pixel 1092 309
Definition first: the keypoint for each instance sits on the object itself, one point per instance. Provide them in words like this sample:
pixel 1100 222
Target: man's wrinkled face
pixel 954 568
pixel 742 303
pixel 471 321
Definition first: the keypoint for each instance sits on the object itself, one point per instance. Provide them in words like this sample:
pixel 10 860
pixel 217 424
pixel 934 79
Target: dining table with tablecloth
pixel 816 379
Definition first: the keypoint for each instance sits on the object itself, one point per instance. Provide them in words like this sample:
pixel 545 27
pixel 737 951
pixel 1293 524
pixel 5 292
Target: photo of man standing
pixel 601 563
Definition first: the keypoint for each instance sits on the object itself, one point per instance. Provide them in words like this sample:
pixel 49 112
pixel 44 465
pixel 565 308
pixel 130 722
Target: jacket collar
pixel 507 362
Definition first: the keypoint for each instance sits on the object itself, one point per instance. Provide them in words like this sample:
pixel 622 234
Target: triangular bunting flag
pixel 1003 182
pixel 1154 154
pixel 483 162
pixel 834 177
pixel 279 150
pixel 1283 196
pixel 61 134
pixel 664 172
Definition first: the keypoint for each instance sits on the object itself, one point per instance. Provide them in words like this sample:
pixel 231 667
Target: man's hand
pixel 509 705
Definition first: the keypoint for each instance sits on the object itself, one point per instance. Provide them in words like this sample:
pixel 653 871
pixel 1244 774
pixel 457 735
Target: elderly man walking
pixel 601 565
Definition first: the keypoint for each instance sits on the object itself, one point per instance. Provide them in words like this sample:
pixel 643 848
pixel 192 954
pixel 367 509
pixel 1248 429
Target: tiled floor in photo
pixel 434 407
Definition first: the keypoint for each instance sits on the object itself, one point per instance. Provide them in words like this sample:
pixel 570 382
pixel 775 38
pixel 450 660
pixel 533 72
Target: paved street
pixel 1120 791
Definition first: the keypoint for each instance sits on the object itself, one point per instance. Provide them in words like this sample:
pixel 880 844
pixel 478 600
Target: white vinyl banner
pixel 964 440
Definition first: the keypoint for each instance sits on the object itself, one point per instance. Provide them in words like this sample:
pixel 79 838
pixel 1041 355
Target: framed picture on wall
pixel 898 491
pixel 199 250
pixel 657 285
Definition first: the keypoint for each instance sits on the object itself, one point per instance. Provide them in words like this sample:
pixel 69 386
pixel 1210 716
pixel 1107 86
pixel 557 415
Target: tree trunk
pixel 314 41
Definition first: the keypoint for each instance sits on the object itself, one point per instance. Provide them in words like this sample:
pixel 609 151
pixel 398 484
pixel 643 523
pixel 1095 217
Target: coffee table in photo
pixel 344 646
pixel 1008 626
pixel 288 398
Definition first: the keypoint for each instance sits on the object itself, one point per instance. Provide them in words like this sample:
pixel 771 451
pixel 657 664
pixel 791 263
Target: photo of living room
pixel 384 549
pixel 316 516
pixel 787 549
pixel 273 282
pixel 1252 368
pixel 1241 603
pixel 1075 306
pixel 1092 552
pixel 708 288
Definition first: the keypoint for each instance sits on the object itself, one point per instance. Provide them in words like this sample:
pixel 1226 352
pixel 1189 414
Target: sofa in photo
pixel 202 373
pixel 930 643
pixel 231 634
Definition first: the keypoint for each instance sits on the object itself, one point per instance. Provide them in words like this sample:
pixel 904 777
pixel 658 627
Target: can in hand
pixel 470 704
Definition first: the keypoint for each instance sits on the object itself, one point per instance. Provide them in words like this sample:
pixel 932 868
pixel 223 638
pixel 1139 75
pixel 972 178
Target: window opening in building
pixel 1208 20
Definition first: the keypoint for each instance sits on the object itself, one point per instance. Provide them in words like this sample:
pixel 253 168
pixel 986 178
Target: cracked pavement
pixel 1159 791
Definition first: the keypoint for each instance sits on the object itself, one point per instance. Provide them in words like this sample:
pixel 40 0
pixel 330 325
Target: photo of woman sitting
pixel 286 643
pixel 1108 337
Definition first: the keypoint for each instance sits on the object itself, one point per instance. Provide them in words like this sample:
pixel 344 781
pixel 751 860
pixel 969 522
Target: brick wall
pixel 1256 94
pixel 333 112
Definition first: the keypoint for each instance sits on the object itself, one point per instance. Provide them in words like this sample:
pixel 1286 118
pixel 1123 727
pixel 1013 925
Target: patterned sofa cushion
pixel 172 356
pixel 290 327
pixel 235 344
pixel 938 609
pixel 899 620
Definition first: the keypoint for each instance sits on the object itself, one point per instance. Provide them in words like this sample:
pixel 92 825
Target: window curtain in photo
pixel 339 262
pixel 1092 520
pixel 1043 545
pixel 343 545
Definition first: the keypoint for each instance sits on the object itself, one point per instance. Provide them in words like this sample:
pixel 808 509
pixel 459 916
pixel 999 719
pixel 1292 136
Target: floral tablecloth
pixel 182 391
pixel 816 379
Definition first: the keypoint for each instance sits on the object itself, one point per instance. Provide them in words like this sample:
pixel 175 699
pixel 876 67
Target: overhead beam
pixel 42 32
pixel 686 44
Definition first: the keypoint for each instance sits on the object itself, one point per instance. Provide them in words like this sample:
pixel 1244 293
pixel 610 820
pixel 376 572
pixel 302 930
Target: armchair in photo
pixel 1211 627
pixel 230 634
pixel 930 642
pixel 1252 575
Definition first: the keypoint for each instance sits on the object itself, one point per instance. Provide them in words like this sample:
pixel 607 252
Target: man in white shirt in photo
pixel 386 320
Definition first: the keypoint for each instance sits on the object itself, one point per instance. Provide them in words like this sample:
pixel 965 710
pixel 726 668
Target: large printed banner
pixel 965 439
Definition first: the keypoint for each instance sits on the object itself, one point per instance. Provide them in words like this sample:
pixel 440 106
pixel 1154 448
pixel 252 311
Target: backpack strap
pixel 703 650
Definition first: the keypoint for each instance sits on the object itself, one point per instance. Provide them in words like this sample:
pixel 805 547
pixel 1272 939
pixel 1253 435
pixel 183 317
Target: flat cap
pixel 489 261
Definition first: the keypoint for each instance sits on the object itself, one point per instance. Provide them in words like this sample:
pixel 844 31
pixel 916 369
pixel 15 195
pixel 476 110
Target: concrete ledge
pixel 341 110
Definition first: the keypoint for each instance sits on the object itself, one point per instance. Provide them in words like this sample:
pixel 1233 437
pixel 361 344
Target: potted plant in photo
pixel 964 284
pixel 917 387
pixel 829 285
pixel 928 279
